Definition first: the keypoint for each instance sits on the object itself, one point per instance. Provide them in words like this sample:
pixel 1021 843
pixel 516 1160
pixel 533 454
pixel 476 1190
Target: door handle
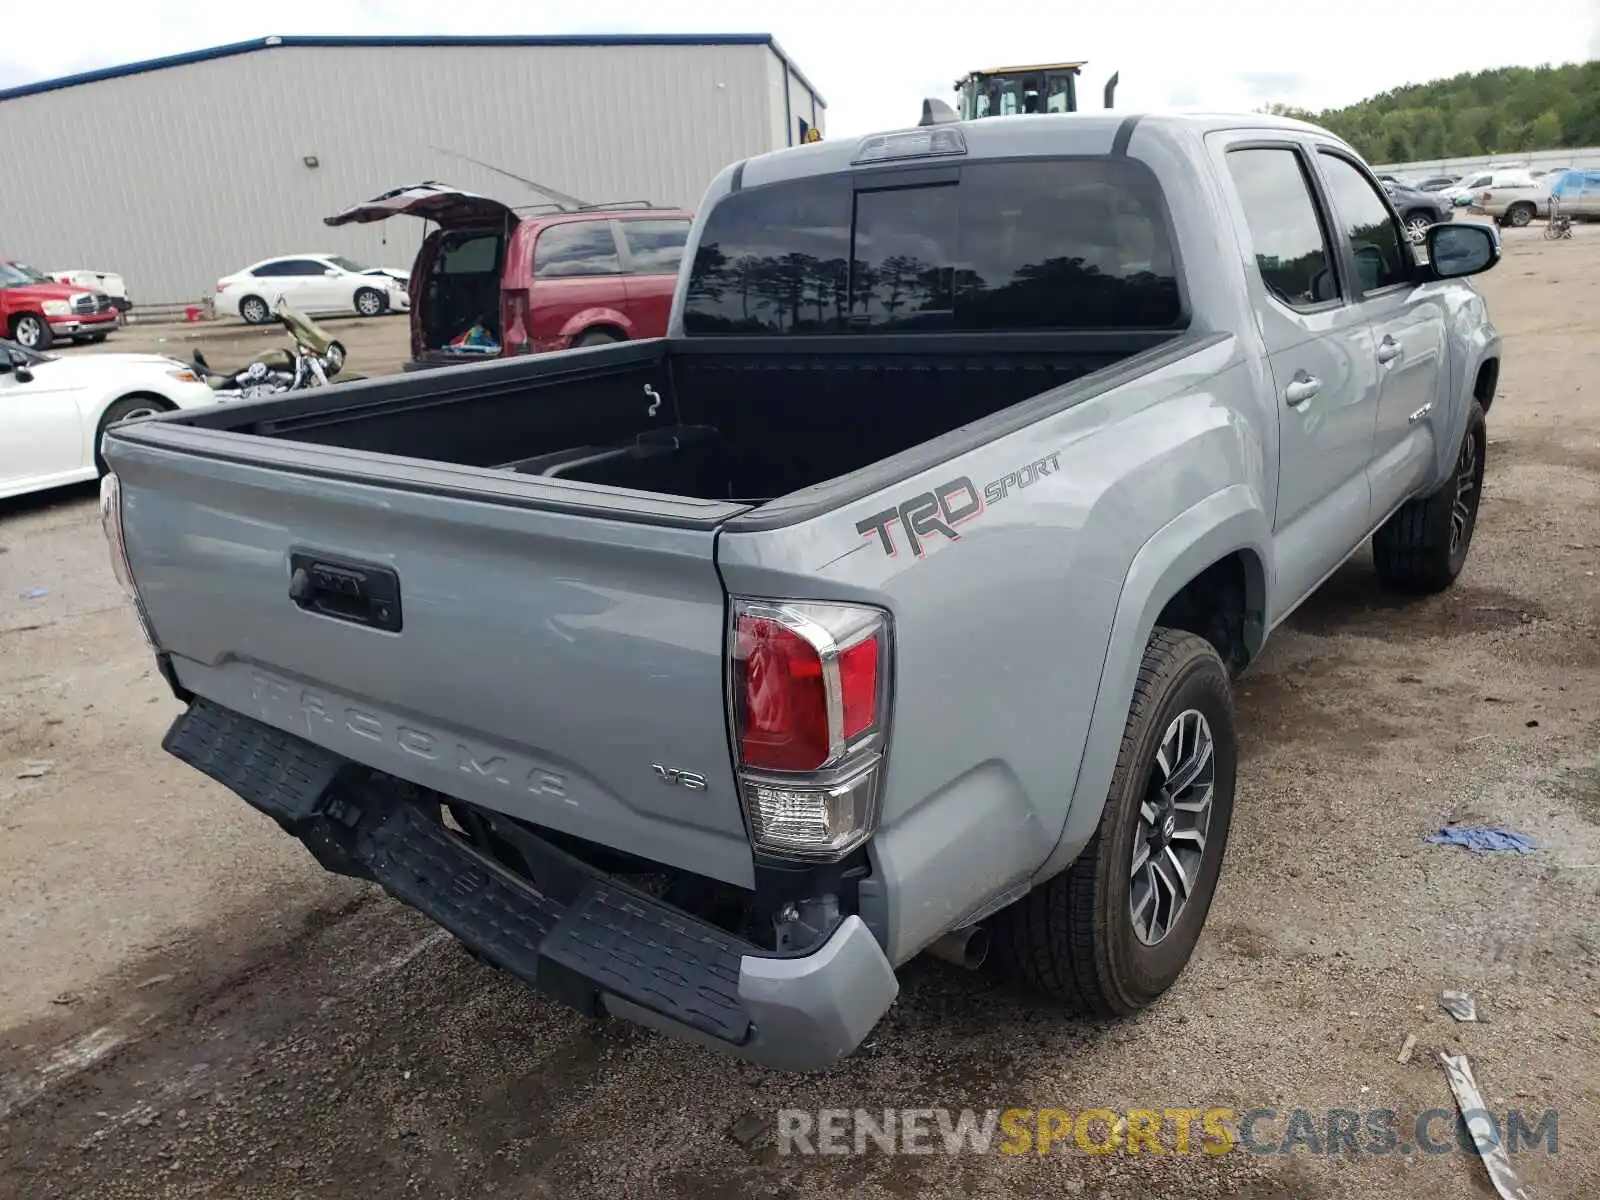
pixel 1301 388
pixel 1389 350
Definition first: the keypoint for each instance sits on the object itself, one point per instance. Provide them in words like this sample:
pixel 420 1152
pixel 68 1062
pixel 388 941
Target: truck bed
pixel 500 582
pixel 743 420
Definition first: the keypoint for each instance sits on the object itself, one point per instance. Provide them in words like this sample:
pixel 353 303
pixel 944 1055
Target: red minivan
pixel 492 282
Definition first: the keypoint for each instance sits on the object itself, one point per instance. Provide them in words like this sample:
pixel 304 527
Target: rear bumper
pixel 574 933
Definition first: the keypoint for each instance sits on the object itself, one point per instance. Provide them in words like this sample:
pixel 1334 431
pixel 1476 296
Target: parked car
pixel 1419 209
pixel 54 410
pixel 1461 195
pixel 35 310
pixel 318 284
pixel 887 604
pixel 536 283
pixel 108 282
pixel 1438 183
pixel 1512 198
pixel 1578 193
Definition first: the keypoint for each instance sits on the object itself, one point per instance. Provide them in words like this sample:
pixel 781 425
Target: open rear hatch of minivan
pixel 456 281
pixel 542 648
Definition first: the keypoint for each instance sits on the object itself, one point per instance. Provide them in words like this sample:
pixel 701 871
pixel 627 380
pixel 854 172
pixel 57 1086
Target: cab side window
pixel 1291 250
pixel 1382 252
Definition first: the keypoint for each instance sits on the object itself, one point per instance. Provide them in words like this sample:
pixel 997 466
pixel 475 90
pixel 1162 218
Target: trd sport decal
pixel 939 511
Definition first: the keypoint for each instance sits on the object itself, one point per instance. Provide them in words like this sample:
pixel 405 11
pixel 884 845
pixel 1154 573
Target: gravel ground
pixel 191 1008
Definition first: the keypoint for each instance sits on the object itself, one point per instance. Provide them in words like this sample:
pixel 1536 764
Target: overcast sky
pixel 874 60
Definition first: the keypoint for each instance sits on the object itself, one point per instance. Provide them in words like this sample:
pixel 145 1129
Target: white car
pixel 108 282
pixel 315 284
pixel 53 410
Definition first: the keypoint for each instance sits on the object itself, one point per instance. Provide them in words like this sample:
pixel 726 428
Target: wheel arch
pixel 156 399
pixel 1182 571
pixel 589 320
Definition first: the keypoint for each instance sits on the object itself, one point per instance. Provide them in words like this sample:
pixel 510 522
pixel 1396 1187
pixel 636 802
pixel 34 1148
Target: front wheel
pixel 370 302
pixel 1111 934
pixel 31 333
pixel 1417 226
pixel 1423 547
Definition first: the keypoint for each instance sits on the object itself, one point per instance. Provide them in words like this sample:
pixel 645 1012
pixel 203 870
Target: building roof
pixel 267 43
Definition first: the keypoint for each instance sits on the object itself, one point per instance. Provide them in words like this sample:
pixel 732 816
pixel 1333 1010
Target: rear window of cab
pixel 1080 243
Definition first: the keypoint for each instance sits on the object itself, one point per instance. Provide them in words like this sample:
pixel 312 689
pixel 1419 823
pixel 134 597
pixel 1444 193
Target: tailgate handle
pixel 360 593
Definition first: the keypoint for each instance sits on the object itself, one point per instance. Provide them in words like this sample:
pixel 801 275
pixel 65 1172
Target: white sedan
pixel 315 284
pixel 53 410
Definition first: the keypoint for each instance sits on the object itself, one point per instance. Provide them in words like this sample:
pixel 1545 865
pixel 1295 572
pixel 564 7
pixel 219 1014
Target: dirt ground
pixel 190 1007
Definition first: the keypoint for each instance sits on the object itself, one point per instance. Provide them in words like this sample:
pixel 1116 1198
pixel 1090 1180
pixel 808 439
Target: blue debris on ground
pixel 35 593
pixel 1484 841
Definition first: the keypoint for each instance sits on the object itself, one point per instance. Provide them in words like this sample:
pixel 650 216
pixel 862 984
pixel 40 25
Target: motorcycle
pixel 313 361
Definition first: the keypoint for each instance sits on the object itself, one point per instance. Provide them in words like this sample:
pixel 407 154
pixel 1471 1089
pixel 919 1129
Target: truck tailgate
pixel 540 663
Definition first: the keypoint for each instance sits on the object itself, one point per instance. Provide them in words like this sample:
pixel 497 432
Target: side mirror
pixel 333 273
pixel 1462 248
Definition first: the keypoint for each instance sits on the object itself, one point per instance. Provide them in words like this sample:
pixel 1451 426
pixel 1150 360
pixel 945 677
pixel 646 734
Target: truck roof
pixel 1093 133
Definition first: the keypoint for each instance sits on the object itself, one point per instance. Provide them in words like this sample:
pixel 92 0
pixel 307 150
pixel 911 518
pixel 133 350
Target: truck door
pixel 1321 351
pixel 1408 327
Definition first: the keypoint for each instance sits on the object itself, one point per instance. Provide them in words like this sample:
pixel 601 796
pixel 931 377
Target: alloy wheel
pixel 1465 507
pixel 1174 819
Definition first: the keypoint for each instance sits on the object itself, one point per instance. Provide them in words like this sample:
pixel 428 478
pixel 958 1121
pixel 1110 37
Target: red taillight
pixel 810 695
pixel 784 702
pixel 858 687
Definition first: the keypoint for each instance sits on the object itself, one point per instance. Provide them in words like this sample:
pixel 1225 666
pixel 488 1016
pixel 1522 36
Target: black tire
pixel 121 410
pixel 370 302
pixel 93 339
pixel 254 311
pixel 1520 214
pixel 1421 548
pixel 1074 938
pixel 597 337
pixel 31 332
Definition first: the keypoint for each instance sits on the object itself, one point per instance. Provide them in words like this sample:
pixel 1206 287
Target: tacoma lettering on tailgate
pixel 336 722
pixel 939 511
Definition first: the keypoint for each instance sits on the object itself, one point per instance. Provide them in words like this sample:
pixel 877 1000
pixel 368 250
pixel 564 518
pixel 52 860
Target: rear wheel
pixel 128 408
pixel 597 337
pixel 254 310
pixel 1112 933
pixel 30 332
pixel 1423 547
pixel 1519 214
pixel 370 302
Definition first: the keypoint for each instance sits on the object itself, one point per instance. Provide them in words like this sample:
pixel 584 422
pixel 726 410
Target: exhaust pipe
pixel 966 948
pixel 1111 88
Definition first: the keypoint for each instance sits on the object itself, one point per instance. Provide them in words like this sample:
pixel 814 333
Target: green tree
pixel 1502 111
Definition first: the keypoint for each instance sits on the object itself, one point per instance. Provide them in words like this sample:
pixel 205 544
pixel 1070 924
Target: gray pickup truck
pixel 888 604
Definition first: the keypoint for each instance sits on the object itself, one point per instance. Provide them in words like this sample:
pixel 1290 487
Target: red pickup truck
pixel 35 310
pixel 492 281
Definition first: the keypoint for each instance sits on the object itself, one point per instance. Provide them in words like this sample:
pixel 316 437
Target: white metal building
pixel 176 171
